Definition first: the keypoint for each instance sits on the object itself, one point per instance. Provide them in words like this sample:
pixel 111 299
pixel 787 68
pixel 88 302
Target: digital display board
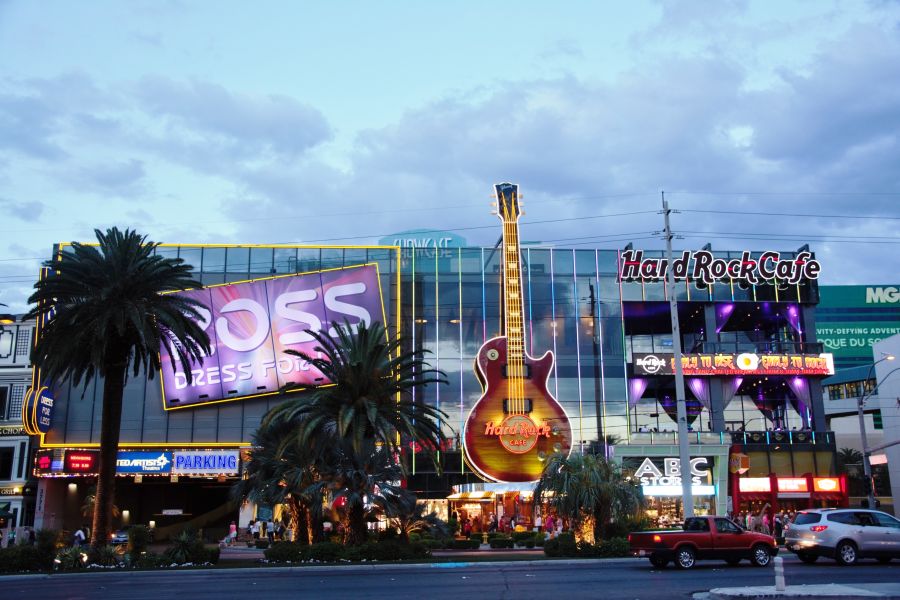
pixel 251 324
pixel 80 461
pixel 662 363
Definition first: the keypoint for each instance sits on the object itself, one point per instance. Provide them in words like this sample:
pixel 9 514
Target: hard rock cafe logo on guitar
pixel 517 433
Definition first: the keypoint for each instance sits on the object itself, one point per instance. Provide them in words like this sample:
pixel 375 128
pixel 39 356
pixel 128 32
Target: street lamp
pixel 860 404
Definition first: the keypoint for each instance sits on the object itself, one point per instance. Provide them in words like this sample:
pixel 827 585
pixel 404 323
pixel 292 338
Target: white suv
pixel 844 534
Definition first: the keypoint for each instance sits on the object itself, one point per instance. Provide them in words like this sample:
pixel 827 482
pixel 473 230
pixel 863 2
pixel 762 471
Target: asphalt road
pixel 547 580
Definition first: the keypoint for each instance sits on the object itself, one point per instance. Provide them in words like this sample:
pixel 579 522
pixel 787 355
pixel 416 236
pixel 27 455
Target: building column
pixel 49 507
pixel 716 395
pixel 817 404
pixel 246 514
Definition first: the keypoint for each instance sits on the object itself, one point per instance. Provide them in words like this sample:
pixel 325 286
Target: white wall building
pixel 17 494
pixel 888 396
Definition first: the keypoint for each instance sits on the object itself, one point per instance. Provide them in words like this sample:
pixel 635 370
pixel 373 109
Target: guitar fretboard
pixel 513 303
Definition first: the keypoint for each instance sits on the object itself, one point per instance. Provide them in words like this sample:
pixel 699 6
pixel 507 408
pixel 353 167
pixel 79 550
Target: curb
pixel 855 591
pixel 322 568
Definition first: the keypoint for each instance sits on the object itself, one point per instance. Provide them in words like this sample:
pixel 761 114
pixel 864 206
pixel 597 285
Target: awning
pixel 476 496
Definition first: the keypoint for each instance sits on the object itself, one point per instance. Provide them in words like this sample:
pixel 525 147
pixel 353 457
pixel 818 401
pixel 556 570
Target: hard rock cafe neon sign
pixel 702 265
pixel 517 433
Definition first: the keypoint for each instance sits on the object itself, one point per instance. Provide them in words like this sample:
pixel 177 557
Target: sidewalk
pixel 856 591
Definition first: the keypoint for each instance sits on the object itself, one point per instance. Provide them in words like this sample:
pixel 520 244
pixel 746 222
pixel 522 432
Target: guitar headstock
pixel 507 201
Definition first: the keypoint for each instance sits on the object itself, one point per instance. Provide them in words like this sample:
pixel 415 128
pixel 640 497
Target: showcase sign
pixel 702 265
pixel 662 363
pixel 252 324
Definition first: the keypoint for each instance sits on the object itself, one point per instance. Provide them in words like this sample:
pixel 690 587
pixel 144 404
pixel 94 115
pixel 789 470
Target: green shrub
pixel 104 556
pixel 48 543
pixel 476 536
pixel 17 559
pixel 587 549
pixel 261 544
pixel 415 537
pixel 539 540
pixel 325 552
pixel 139 538
pixel 71 559
pixel 521 536
pixel 287 552
pixel 614 547
pixel 150 560
pixel 417 550
pixel 465 544
pixel 188 548
pixel 561 545
pixel 434 544
pixel 502 542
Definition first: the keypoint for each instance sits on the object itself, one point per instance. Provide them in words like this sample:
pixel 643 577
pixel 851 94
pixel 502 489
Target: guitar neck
pixel 512 292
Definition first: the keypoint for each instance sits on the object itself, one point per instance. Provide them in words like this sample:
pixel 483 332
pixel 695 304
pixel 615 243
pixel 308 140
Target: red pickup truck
pixel 703 538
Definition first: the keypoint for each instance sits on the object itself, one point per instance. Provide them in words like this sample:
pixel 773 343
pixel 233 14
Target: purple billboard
pixel 251 324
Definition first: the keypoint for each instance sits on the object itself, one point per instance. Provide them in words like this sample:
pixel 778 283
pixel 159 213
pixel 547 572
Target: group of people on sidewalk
pixel 552 526
pixel 765 521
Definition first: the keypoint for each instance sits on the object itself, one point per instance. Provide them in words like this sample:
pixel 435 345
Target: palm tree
pixel 370 398
pixel 364 484
pixel 5 319
pixel 109 315
pixel 847 457
pixel 364 415
pixel 280 471
pixel 589 490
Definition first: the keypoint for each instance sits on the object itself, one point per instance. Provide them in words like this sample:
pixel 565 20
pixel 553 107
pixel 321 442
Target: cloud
pixel 117 177
pixel 26 211
pixel 247 125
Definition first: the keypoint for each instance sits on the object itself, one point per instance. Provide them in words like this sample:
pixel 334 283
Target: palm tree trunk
pixel 111 419
pixel 317 534
pixel 357 524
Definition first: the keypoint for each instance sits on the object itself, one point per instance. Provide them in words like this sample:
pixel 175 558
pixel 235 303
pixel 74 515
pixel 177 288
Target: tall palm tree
pixel 589 490
pixel 367 411
pixel 370 398
pixel 109 314
pixel 281 471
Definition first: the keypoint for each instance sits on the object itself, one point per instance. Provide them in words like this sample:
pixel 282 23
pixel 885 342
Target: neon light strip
pixel 625 356
pixel 530 312
pixel 675 490
pixel 437 338
pixel 578 351
pixel 599 334
pixel 483 300
pixel 553 313
pixel 461 378
pixel 413 252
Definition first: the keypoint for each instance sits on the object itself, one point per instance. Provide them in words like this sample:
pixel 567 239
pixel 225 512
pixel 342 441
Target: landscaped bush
pixel 502 542
pixel 21 558
pixel 105 556
pixel 539 540
pixel 325 552
pixel 617 546
pixel 188 548
pixel 433 544
pixel 150 560
pixel 71 559
pixel 522 536
pixel 139 538
pixel 465 544
pixel 47 542
pixel 261 544
pixel 287 552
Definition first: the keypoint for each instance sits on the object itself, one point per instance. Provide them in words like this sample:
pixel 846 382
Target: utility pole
pixel 684 454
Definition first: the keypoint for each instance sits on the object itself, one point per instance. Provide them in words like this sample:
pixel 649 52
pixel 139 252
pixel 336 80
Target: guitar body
pixel 510 442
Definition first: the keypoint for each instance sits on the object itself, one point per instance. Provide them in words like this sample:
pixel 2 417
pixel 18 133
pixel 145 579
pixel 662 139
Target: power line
pixel 773 214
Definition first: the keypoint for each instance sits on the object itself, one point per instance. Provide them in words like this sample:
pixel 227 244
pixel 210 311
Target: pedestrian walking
pixel 270 530
pixel 232 533
pixel 79 538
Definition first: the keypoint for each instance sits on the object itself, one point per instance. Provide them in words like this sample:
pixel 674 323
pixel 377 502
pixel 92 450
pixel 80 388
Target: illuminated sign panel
pixel 755 484
pixel 80 461
pixel 826 484
pixel 143 462
pixel 207 462
pixel 702 265
pixel 662 363
pixel 792 484
pixel 662 476
pixel 251 324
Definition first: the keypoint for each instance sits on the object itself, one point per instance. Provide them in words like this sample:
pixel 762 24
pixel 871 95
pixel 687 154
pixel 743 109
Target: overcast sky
pixel 254 122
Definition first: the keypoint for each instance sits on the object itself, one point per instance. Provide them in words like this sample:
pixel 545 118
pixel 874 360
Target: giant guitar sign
pixel 517 424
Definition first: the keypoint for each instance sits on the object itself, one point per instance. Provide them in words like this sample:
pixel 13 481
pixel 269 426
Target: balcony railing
pixel 671 437
pixel 749 438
